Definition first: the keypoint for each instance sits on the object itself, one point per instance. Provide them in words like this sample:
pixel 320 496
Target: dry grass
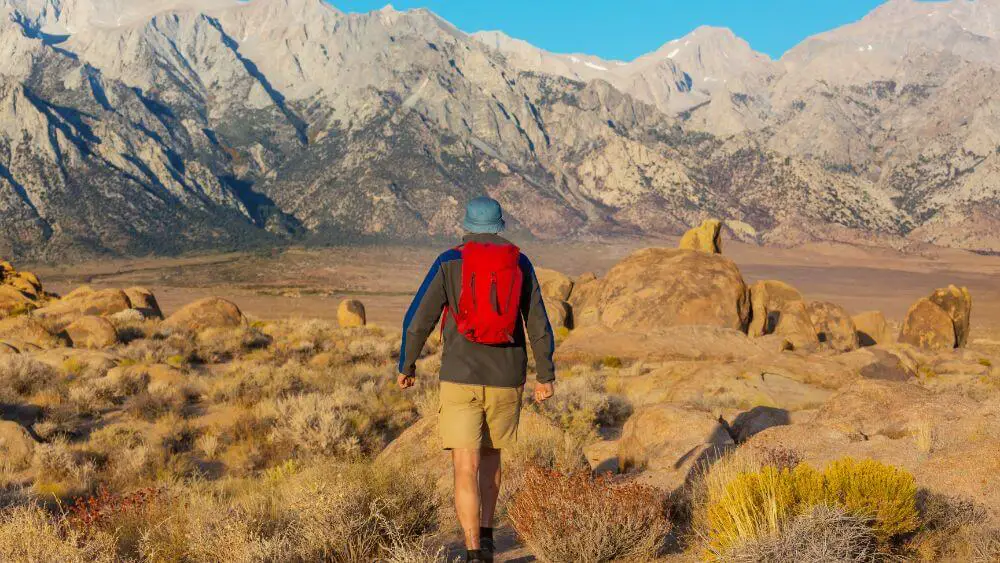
pixel 577 518
pixel 953 530
pixel 820 535
pixel 257 440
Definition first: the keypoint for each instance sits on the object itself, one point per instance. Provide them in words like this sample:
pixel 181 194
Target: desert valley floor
pixel 310 283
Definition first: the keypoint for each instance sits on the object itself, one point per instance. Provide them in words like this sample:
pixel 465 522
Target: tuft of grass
pixel 612 362
pixel 579 518
pixel 985 362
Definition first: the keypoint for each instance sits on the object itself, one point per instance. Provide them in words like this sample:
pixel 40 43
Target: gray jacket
pixel 464 361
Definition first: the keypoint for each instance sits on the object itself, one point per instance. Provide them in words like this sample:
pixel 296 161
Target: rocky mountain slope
pixel 138 127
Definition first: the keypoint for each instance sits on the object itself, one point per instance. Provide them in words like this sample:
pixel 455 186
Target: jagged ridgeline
pixel 159 127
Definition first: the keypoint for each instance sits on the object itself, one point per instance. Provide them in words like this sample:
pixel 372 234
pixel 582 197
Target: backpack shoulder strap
pixel 446 309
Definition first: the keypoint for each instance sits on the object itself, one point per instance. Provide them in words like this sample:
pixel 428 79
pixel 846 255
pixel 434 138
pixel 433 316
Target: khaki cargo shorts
pixel 474 416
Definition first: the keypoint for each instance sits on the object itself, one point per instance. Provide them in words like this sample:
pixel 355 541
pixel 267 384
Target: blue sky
pixel 625 29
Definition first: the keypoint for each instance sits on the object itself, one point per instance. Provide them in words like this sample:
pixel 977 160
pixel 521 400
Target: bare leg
pixel 489 484
pixel 467 499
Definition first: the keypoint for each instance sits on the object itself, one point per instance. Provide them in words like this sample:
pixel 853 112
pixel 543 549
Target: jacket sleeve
pixel 536 323
pixel 421 317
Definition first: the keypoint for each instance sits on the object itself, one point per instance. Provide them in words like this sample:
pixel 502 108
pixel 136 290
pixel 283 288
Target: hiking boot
pixel 478 556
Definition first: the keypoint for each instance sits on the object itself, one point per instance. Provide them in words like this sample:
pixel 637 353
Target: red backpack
pixel 489 304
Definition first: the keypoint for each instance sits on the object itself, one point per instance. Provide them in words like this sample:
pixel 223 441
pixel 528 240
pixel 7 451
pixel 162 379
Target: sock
pixel 486 540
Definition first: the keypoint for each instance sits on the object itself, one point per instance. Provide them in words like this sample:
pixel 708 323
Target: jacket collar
pixel 485 238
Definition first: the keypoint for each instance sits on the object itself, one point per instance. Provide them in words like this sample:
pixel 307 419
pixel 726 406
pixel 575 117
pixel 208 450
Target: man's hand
pixel 404 381
pixel 544 392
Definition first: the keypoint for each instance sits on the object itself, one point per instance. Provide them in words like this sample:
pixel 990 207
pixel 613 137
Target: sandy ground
pixel 310 283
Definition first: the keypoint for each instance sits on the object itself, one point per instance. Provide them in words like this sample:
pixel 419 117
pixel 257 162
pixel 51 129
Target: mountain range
pixel 131 127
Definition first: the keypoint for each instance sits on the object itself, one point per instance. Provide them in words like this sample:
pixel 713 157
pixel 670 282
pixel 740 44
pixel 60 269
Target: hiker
pixel 486 296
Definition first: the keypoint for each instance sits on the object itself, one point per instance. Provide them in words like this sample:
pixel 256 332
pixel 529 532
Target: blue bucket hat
pixel 484 215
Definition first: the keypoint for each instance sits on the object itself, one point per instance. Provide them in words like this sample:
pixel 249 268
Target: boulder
pixel 886 366
pixel 12 300
pixel 555 285
pixel 32 279
pixel 558 312
pixel 351 313
pixel 659 288
pixel 705 237
pixel 768 298
pixel 16 446
pixel 795 327
pixel 27 329
pixel 834 327
pixel 583 303
pixel 92 332
pixel 719 387
pixel 584 278
pixel 957 302
pixel 928 326
pixel 210 312
pixel 83 303
pixel 78 292
pixel 145 302
pixel 22 283
pixel 872 328
pixel 666 442
pixel 756 420
pixel 94 361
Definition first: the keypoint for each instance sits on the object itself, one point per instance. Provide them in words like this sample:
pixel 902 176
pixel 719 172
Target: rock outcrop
pixel 768 299
pixel 144 301
pixel 559 313
pixel 351 314
pixel 555 285
pixel 20 292
pixel 27 330
pixel 666 442
pixel 210 312
pixel 92 332
pixel 957 302
pixel 659 288
pixel 706 237
pixel 834 326
pixel 83 302
pixel 928 326
pixel 778 309
pixel 944 439
pixel 872 328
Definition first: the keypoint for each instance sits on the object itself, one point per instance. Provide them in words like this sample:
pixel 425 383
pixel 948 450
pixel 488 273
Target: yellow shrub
pixel 883 493
pixel 750 505
pixel 756 504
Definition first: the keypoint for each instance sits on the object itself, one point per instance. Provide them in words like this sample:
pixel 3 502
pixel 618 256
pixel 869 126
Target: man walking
pixel 487 296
